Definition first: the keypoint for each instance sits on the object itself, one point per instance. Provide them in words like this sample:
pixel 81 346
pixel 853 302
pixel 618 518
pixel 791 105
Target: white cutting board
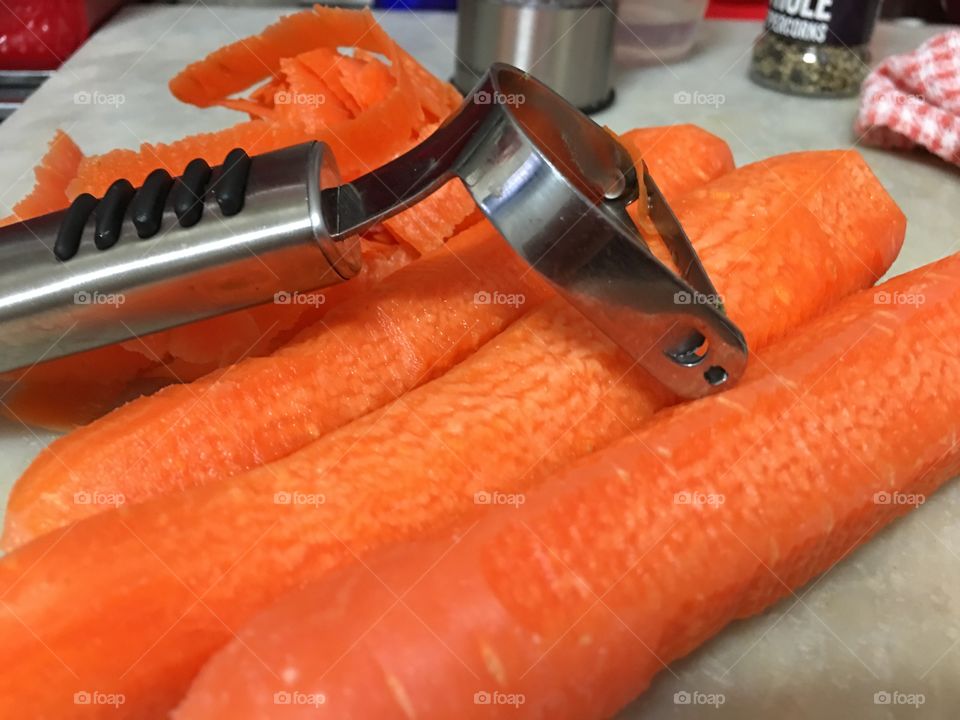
pixel 887 619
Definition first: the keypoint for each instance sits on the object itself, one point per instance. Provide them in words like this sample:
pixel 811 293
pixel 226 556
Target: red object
pixel 737 9
pixel 914 99
pixel 41 34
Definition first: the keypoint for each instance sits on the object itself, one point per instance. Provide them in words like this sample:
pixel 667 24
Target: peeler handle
pixel 169 253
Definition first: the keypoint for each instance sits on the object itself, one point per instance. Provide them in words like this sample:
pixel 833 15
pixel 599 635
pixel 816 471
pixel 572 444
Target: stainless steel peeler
pixel 555 185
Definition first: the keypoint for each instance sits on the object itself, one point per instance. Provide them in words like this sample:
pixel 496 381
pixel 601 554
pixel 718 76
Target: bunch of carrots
pixel 411 504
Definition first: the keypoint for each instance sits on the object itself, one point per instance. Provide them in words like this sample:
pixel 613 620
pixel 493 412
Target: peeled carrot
pixel 406 330
pixel 685 141
pixel 237 545
pixel 56 169
pixel 185 436
pixel 567 607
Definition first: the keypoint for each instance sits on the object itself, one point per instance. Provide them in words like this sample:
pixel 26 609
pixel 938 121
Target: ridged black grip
pixel 71 229
pixel 230 187
pixel 146 210
pixel 110 214
pixel 148 202
pixel 188 192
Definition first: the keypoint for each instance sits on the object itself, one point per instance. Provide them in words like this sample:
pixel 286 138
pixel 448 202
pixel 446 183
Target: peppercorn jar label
pixel 824 22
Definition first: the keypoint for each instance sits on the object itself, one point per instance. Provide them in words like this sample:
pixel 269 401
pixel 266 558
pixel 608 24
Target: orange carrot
pixel 186 436
pixel 685 141
pixel 237 545
pixel 56 169
pixel 403 332
pixel 567 607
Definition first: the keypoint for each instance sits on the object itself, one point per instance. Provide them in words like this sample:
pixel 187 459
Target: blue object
pixel 415 4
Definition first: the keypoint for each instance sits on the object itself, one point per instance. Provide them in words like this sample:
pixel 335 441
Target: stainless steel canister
pixel 567 44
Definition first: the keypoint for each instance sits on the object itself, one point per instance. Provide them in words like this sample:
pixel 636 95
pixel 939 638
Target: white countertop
pixel 885 619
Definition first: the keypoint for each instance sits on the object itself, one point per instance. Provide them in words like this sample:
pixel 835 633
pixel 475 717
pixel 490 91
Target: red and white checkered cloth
pixel 914 99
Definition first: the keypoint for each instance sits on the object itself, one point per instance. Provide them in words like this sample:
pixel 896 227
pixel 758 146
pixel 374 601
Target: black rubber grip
pixel 146 210
pixel 110 214
pixel 71 229
pixel 188 192
pixel 230 187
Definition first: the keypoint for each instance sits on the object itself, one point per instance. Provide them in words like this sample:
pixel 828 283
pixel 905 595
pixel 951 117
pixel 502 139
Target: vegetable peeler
pixel 554 184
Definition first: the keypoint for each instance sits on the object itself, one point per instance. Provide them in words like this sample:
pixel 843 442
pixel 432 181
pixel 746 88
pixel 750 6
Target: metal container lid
pixel 566 44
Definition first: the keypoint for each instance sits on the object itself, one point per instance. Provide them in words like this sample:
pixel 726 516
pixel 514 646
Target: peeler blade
pixel 675 237
pixel 556 185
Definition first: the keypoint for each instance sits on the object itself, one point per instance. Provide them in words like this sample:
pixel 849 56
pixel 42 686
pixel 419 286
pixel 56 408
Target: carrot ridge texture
pixel 361 356
pixel 567 606
pixel 56 169
pixel 188 569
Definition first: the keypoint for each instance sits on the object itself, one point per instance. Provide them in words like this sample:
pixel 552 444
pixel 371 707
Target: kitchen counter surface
pixel 884 620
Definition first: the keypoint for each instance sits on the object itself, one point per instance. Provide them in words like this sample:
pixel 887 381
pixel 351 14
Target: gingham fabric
pixel 914 99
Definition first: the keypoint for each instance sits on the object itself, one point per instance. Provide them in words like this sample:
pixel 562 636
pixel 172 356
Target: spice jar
pixel 815 47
